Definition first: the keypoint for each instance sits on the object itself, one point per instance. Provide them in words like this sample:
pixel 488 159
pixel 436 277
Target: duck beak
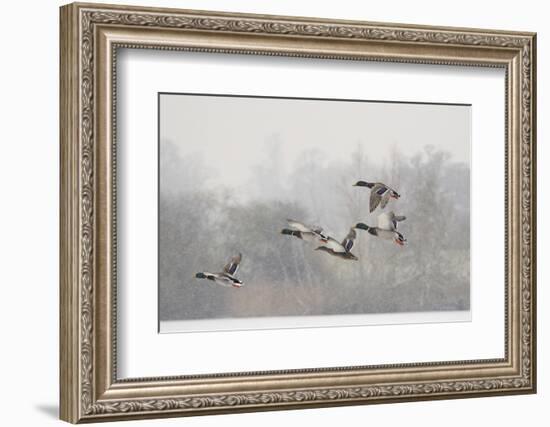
pixel 399 242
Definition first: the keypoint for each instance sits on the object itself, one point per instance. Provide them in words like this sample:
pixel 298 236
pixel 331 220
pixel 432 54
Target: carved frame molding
pixel 89 387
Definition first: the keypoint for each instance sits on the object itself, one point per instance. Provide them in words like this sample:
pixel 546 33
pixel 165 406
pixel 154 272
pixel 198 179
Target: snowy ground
pixel 289 322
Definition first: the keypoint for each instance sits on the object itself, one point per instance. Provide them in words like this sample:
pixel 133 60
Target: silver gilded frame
pixel 90 37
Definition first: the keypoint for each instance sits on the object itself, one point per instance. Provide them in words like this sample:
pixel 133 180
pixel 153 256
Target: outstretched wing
pixel 232 266
pixel 334 245
pixel 385 199
pixel 304 228
pixel 300 226
pixel 389 221
pixel 397 219
pixel 348 242
pixel 378 192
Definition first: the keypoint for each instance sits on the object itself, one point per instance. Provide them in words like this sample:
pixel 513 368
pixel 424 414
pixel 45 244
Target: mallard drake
pixel 340 250
pixel 227 277
pixel 305 232
pixel 380 194
pixel 394 235
pixel 389 220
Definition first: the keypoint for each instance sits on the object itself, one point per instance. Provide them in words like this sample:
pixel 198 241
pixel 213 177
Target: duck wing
pixel 334 245
pixel 232 266
pixel 376 195
pixel 313 230
pixel 349 240
pixel 396 219
pixel 300 226
pixel 385 199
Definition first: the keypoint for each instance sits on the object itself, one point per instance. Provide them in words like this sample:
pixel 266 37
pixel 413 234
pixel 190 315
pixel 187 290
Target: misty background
pixel 232 169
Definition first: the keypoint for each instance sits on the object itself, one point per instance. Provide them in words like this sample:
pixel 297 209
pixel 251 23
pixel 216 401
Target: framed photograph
pixel 266 212
pixel 230 190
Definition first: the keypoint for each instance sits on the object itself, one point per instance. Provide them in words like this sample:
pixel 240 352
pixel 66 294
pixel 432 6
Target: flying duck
pixel 394 235
pixel 305 232
pixel 227 277
pixel 379 194
pixel 389 220
pixel 340 250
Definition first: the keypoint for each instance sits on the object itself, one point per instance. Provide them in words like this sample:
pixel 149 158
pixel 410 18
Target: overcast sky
pixel 231 133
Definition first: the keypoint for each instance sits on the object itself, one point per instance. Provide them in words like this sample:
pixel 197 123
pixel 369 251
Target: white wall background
pixel 29 170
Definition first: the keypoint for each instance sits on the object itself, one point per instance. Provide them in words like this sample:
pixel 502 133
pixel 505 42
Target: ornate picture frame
pixel 90 37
